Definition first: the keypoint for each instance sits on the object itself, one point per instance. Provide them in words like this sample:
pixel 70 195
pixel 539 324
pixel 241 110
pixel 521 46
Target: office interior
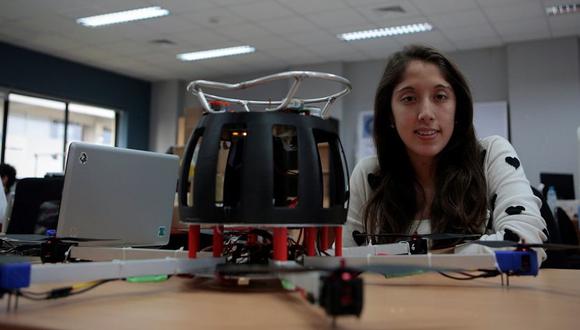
pixel 510 51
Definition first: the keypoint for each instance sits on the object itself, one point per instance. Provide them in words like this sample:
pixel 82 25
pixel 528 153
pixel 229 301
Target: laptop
pixel 123 195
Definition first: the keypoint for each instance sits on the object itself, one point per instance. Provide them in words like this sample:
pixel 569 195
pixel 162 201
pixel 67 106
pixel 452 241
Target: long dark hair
pixel 460 201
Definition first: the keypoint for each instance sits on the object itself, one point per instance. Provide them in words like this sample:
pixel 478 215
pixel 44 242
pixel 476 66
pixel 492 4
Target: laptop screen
pixel 119 194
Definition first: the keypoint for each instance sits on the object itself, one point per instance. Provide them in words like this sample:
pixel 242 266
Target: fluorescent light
pixel 205 54
pixel 123 16
pixel 91 111
pixel 562 9
pixel 386 32
pixel 37 101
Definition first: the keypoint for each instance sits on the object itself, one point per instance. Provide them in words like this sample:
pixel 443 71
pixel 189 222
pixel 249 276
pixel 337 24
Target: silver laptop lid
pixel 120 194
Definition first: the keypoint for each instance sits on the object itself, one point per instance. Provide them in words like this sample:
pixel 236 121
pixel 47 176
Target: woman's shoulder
pixel 495 147
pixel 494 141
pixel 368 164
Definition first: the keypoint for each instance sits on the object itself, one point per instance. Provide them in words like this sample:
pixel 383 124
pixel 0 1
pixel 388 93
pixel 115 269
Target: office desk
pixel 428 301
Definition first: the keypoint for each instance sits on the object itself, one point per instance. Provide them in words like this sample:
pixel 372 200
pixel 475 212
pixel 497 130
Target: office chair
pixel 560 231
pixel 35 199
pixel 552 226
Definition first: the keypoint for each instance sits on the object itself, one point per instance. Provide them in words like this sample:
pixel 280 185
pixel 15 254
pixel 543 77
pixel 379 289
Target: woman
pixel 430 174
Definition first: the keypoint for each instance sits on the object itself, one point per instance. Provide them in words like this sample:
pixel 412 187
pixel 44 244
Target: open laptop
pixel 119 194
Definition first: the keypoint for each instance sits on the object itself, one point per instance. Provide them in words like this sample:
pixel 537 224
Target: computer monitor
pixel 119 194
pixel 35 206
pixel 562 182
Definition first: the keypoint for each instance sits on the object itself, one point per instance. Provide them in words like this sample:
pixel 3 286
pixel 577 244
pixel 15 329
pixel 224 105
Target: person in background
pixel 8 176
pixel 431 174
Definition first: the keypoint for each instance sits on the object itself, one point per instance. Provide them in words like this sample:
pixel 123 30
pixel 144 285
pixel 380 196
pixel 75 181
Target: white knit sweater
pixel 514 205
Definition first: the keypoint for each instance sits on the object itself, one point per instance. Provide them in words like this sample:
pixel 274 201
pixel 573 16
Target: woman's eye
pixel 441 97
pixel 407 99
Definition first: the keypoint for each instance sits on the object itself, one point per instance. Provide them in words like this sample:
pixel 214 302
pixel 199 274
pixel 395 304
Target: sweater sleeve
pixel 513 204
pixel 359 193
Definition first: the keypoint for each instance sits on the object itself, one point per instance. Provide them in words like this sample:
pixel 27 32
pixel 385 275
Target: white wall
pixel 364 77
pixel 166 104
pixel 544 99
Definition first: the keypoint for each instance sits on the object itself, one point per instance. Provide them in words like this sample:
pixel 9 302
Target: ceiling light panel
pixel 562 9
pixel 386 32
pixel 213 53
pixel 123 16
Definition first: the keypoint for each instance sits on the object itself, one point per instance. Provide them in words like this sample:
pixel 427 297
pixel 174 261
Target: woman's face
pixel 423 105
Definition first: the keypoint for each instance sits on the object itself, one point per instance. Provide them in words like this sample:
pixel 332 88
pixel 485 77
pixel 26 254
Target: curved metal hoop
pixel 195 87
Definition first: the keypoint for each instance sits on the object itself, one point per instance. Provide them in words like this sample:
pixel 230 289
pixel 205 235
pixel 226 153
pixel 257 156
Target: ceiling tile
pixel 428 7
pixel 484 42
pixel 127 47
pixel 94 36
pixel 336 51
pixel 496 3
pixel 271 42
pixel 383 18
pixel 168 24
pixel 18 31
pixel 456 35
pixel 240 32
pixel 227 3
pixel 333 18
pixel 522 27
pixel 355 3
pixel 288 25
pixel 256 11
pixel 111 6
pixel 432 38
pixel 213 17
pixel 178 6
pixel 292 55
pixel 311 38
pixel 23 9
pixel 351 28
pixel 510 12
pixel 374 43
pixel 56 42
pixel 565 32
pixel 310 6
pixel 564 22
pixel 519 37
pixel 201 38
pixel 458 19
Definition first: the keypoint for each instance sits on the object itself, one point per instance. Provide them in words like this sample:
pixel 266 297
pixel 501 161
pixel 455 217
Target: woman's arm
pixel 515 211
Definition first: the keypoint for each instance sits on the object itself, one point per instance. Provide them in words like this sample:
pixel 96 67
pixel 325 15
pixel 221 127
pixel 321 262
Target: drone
pixel 252 177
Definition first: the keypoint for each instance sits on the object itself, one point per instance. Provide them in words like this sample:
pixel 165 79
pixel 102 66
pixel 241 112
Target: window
pixel 36 129
pixel 2 100
pixel 30 145
pixel 91 124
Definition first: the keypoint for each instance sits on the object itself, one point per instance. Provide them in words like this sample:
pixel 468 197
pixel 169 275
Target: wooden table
pixel 428 301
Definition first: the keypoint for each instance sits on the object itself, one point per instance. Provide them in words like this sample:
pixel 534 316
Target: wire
pixel 458 278
pixel 91 287
pixel 63 291
pixel 467 276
